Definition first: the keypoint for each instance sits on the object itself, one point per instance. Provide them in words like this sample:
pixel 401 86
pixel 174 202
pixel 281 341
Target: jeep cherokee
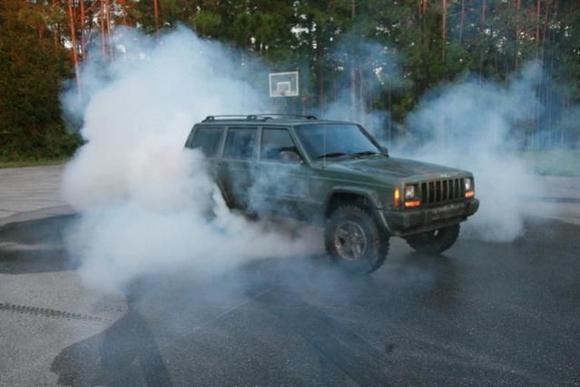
pixel 336 174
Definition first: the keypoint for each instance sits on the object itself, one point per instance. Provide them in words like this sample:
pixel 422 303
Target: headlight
pixel 469 188
pixel 410 192
pixel 410 195
pixel 468 184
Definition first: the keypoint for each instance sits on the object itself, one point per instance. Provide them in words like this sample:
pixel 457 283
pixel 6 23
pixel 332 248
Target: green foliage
pixel 32 68
pixel 385 54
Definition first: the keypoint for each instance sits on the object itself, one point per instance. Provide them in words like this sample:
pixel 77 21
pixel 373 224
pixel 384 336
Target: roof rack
pixel 226 117
pixel 255 117
pixel 269 116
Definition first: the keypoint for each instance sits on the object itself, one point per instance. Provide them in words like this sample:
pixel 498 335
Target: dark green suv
pixel 335 174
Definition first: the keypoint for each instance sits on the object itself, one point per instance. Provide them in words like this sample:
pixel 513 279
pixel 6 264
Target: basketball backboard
pixel 284 84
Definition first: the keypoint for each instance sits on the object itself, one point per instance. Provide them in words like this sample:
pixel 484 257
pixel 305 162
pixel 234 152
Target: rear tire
pixel 355 240
pixel 436 241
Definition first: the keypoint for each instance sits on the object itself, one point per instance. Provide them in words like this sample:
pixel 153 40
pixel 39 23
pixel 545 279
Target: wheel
pixel 355 240
pixel 436 241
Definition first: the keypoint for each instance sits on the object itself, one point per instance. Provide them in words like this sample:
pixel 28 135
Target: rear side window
pixel 240 143
pixel 208 140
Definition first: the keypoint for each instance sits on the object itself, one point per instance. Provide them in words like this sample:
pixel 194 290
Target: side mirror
pixel 385 150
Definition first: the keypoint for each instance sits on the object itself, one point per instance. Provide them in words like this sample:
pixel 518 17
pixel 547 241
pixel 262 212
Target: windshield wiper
pixel 343 154
pixel 366 153
pixel 332 154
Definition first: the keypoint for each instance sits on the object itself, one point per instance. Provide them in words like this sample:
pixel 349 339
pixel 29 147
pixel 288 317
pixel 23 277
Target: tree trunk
pixel 462 22
pixel 74 47
pixel 156 13
pixel 56 32
pixel 320 64
pixel 517 27
pixel 538 10
pixel 423 5
pixel 482 39
pixel 353 71
pixel 108 27
pixel 320 77
pixel 102 28
pixel 444 31
pixel 82 25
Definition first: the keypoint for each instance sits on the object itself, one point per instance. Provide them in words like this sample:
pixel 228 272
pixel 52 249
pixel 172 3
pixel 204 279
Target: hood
pixel 394 167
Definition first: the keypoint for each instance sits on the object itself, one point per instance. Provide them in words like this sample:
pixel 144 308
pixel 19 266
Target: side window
pixel 277 145
pixel 240 143
pixel 208 139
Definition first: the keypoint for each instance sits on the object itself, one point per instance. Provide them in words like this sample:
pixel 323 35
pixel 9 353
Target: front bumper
pixel 407 222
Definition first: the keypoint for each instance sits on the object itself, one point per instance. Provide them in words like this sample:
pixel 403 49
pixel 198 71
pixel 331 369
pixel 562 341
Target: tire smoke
pixel 469 125
pixel 147 204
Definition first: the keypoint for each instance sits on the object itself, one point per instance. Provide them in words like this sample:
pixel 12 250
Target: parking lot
pixel 485 313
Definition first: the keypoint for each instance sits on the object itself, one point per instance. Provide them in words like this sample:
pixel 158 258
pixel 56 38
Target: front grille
pixel 442 191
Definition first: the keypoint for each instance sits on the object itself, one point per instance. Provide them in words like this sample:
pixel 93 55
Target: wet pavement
pixel 483 314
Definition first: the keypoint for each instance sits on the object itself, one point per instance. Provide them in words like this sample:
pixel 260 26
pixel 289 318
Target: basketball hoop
pixel 284 84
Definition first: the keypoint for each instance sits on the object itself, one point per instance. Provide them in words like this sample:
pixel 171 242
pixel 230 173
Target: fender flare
pixel 368 194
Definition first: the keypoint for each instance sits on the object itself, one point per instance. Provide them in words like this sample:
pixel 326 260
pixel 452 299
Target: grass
pixel 555 162
pixel 29 163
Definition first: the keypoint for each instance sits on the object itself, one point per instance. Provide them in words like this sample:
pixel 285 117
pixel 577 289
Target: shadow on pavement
pixel 293 300
pixel 125 354
pixel 488 313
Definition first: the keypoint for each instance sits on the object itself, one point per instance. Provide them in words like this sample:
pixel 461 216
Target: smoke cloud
pixel 469 125
pixel 146 203
pixel 383 74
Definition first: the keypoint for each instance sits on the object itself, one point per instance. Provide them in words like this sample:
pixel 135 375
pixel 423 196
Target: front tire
pixel 355 240
pixel 436 241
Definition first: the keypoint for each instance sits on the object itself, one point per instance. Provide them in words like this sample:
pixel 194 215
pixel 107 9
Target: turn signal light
pixel 397 197
pixel 469 194
pixel 412 203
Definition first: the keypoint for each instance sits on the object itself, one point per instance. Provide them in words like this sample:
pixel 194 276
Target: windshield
pixel 335 140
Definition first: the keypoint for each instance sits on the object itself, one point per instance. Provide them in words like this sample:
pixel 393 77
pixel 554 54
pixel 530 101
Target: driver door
pixel 282 180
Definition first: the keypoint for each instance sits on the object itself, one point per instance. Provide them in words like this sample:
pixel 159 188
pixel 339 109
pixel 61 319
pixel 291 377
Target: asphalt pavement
pixel 31 193
pixel 484 313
